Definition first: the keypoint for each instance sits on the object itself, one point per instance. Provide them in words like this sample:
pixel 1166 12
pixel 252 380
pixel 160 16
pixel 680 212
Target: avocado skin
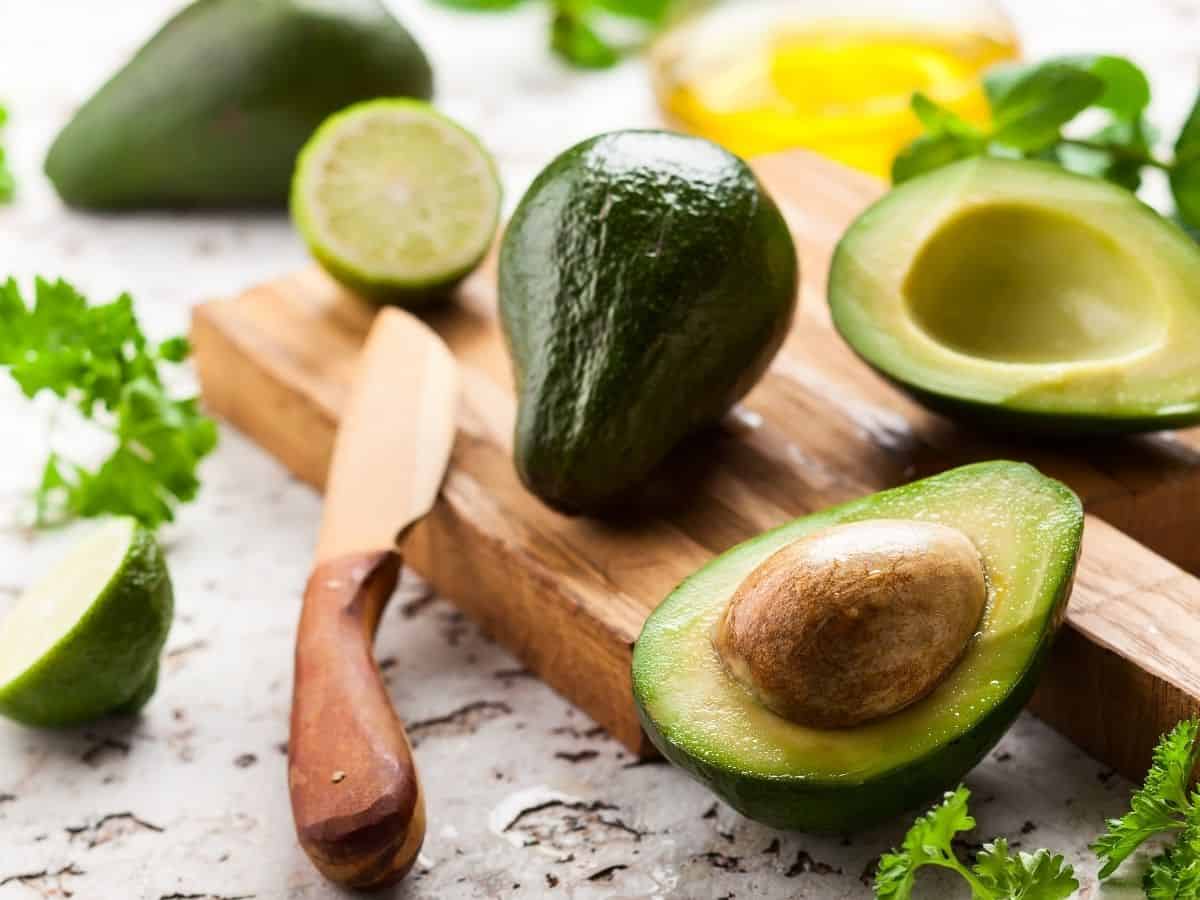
pixel 841 808
pixel 646 281
pixel 1008 420
pixel 213 110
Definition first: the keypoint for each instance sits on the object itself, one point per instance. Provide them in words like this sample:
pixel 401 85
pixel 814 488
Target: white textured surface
pixel 526 798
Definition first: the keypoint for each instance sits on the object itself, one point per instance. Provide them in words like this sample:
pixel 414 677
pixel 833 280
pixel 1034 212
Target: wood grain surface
pixel 568 595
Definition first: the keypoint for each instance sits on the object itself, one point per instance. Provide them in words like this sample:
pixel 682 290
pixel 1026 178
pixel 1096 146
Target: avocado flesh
pixel 1027 528
pixel 1014 293
pixel 213 110
pixel 646 280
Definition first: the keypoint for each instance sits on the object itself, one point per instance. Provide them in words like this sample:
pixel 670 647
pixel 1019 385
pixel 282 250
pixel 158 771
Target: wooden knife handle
pixel 356 799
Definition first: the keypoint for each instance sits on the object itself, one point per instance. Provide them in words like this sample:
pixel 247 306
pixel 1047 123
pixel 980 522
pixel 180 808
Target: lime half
pixel 84 641
pixel 395 200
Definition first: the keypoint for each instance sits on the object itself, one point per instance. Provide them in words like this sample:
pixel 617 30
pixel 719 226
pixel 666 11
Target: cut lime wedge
pixel 395 200
pixel 84 641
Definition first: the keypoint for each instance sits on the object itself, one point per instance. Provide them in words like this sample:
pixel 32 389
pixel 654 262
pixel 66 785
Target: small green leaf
pixel 1187 145
pixel 480 5
pixel 1185 187
pixel 1159 804
pixel 652 11
pixel 577 42
pixel 1034 105
pixel 1126 87
pixel 932 151
pixel 175 349
pixel 936 117
pixel 1027 876
pixel 928 842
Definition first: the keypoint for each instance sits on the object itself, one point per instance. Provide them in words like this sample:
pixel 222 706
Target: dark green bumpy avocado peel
pixel 646 281
pixel 214 108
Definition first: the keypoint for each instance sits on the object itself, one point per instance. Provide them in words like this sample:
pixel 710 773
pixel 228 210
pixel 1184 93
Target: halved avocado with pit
pixel 1014 293
pixel 1027 530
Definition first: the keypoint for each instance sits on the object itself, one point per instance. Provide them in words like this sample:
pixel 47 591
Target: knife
pixel 356 798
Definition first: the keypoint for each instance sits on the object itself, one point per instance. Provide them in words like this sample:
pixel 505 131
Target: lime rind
pixel 105 657
pixel 395 200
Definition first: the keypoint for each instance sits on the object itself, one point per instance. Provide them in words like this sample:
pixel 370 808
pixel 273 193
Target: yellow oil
pixel 841 90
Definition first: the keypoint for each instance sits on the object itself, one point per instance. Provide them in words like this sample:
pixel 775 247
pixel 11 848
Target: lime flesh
pixel 84 641
pixel 395 200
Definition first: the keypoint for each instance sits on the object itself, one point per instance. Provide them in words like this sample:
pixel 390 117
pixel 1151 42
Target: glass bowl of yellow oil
pixel 834 76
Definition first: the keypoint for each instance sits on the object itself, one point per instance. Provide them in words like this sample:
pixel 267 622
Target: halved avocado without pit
pixel 1016 294
pixel 1026 529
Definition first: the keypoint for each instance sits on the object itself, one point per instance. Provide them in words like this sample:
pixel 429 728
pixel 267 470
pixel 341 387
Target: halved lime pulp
pixel 395 200
pixel 84 641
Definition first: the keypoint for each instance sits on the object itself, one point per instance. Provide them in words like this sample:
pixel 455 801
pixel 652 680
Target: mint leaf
pixel 574 39
pixel 480 5
pixel 938 118
pixel 1037 101
pixel 1126 87
pixel 932 151
pixel 652 11
pixel 1185 174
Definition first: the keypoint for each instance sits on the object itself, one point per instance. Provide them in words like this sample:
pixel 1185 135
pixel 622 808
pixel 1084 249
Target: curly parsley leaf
pixel 97 358
pixel 1175 873
pixel 996 875
pixel 1027 876
pixel 1161 804
pixel 8 184
pixel 926 844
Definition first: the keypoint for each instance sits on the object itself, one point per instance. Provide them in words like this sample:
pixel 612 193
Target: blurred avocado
pixel 213 110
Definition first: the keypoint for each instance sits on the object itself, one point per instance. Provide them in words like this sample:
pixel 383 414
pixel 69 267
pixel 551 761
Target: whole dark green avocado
pixel 646 281
pixel 213 110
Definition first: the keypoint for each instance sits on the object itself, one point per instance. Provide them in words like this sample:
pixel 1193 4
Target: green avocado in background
pixel 214 109
pixel 646 281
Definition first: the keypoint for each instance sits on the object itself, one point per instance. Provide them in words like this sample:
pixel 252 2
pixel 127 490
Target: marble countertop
pixel 526 797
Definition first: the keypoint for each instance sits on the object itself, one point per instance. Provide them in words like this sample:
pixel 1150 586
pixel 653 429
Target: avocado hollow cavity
pixel 854 622
pixel 1016 295
pixel 1016 283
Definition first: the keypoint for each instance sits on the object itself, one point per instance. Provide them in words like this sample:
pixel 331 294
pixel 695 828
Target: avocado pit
pixel 854 622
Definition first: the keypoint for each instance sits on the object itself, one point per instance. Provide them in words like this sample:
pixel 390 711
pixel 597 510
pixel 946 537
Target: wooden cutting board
pixel 569 595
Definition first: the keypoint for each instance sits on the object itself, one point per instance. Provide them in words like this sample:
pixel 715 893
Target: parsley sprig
pixel 997 874
pixel 579 29
pixel 8 184
pixel 1163 804
pixel 97 358
pixel 1032 107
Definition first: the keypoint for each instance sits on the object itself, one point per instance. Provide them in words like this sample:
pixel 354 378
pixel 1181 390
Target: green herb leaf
pixel 1159 805
pixel 98 359
pixel 1175 873
pixel 574 39
pixel 1039 100
pixel 997 873
pixel 938 118
pixel 1185 175
pixel 480 5
pixel 1029 876
pixel 1126 87
pixel 928 842
pixel 932 151
pixel 8 184
pixel 651 11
